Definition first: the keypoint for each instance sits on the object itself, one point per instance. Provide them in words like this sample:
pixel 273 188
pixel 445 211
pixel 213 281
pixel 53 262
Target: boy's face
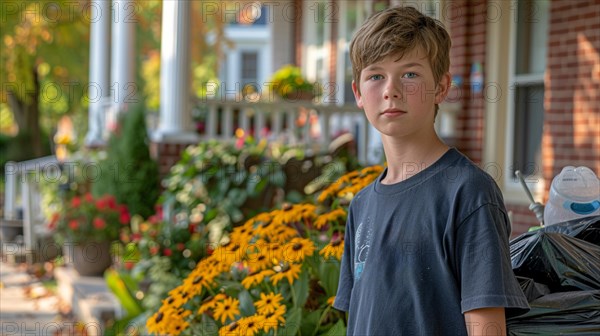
pixel 399 95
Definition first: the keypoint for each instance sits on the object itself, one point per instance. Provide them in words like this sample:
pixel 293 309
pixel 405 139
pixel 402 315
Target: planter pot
pixel 91 258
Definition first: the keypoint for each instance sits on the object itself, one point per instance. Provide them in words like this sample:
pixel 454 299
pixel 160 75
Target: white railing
pixel 22 201
pixel 295 122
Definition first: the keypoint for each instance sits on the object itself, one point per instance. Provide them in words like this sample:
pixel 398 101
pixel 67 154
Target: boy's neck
pixel 408 158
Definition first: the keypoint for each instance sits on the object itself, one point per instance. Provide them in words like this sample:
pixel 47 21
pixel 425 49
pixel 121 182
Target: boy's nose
pixel 391 91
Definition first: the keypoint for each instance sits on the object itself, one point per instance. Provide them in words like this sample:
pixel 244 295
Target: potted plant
pixel 289 83
pixel 86 226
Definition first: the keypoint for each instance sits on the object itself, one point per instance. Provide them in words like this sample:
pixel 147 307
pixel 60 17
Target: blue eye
pixel 409 75
pixel 376 77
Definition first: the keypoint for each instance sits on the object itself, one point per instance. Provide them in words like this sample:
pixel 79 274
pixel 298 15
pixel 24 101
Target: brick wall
pixel 522 218
pixel 572 101
pixel 166 154
pixel 467 23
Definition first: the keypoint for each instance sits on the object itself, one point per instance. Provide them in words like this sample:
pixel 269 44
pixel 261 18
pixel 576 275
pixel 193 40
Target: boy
pixel 426 243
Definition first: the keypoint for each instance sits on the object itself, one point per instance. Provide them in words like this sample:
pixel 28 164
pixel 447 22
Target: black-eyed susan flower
pixel 335 248
pixel 227 309
pixel 251 325
pixel 232 329
pixel 256 278
pixel 289 271
pixel 274 319
pixel 338 214
pixel 211 302
pixel 268 303
pixel 298 249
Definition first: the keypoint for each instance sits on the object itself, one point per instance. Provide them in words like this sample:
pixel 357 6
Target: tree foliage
pixel 128 172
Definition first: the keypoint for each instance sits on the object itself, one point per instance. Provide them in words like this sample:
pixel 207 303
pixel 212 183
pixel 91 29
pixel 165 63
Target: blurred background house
pixel 525 95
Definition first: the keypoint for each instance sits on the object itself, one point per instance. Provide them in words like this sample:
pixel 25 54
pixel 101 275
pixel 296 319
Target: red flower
pixel 111 202
pixel 99 223
pixel 124 218
pixel 88 197
pixel 180 246
pixel 53 221
pixel 154 250
pixel 75 202
pixel 101 204
pixel 167 252
pixel 73 224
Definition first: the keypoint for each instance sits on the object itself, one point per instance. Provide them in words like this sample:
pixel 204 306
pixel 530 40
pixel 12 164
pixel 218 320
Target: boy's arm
pixel 486 321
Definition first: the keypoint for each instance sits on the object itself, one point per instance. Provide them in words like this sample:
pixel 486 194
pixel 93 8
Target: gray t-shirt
pixel 420 253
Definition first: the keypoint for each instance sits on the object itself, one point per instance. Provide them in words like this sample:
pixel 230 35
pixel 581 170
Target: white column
pixel 175 115
pixel 122 81
pixel 99 88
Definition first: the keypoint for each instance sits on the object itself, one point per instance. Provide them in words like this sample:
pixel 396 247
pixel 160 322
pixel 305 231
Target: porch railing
pixel 295 122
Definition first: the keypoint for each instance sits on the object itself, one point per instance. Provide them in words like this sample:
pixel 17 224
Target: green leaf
pixel 329 274
pixel 119 288
pixel 300 289
pixel 292 322
pixel 246 303
pixel 309 322
pixel 339 329
pixel 278 178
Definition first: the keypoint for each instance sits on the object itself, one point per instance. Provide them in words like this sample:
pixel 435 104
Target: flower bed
pixel 277 272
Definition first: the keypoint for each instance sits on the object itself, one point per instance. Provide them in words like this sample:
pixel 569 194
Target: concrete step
pixel 91 301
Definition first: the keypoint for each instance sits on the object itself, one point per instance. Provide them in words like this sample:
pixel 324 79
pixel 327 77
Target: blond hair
pixel 396 31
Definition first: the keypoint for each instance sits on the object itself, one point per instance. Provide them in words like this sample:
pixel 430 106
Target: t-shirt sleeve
pixel 483 261
pixel 346 281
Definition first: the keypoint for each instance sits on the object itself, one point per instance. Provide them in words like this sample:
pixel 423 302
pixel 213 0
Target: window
pixel 527 85
pixel 249 67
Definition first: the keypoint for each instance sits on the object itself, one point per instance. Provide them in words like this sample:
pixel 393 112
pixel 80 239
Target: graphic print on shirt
pixel 362 243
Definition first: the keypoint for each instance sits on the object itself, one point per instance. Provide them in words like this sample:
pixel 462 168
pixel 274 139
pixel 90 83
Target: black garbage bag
pixel 561 262
pixel 532 289
pixel 587 229
pixel 566 313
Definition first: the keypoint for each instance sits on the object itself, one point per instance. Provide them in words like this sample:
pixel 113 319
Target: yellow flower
pixel 268 303
pixel 229 253
pixel 211 302
pixel 246 326
pixel 256 278
pixel 168 321
pixel 227 309
pixel 282 234
pixel 332 216
pixel 331 300
pixel 298 249
pixel 251 325
pixel 290 271
pixel 335 249
pixel 273 319
pixel 232 329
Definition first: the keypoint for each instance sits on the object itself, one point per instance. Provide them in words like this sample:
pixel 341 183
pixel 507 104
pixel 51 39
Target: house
pixel 525 96
pixel 526 74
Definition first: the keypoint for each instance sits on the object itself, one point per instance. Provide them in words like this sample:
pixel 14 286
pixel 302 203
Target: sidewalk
pixel 26 306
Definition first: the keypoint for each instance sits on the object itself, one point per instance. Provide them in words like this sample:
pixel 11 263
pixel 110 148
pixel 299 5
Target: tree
pixel 128 172
pixel 43 64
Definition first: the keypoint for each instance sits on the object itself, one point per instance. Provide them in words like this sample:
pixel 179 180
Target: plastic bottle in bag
pixel 574 193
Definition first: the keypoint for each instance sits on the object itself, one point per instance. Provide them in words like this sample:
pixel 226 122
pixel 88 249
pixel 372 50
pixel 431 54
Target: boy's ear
pixel 357 95
pixel 443 88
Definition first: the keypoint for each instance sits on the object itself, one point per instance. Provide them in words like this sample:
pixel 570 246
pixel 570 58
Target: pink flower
pixel 88 197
